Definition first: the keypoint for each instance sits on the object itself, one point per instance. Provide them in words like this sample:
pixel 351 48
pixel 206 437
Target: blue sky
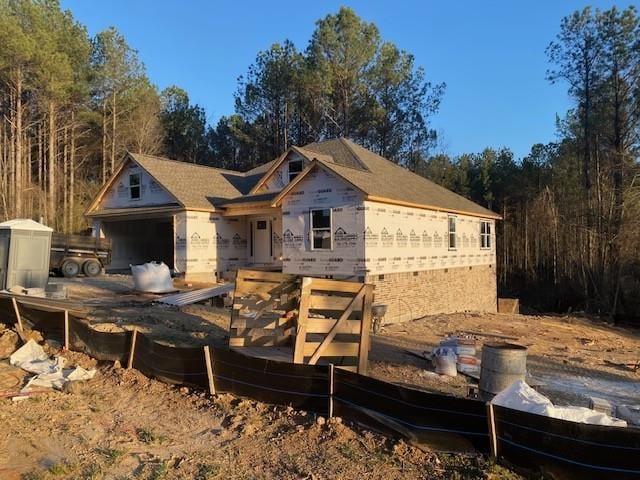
pixel 490 54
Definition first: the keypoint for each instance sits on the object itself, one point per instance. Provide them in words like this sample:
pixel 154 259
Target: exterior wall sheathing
pixel 208 244
pixel 416 273
pixel 403 251
pixel 320 189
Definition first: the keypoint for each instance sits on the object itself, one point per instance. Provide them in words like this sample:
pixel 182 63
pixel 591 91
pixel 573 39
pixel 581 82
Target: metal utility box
pixel 24 254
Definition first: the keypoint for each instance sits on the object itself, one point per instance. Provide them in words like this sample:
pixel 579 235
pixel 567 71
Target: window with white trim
pixel 295 168
pixel 134 186
pixel 452 233
pixel 320 233
pixel 485 234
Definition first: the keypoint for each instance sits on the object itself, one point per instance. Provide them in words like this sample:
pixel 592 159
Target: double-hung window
pixel 452 233
pixel 295 167
pixel 485 235
pixel 321 229
pixel 134 186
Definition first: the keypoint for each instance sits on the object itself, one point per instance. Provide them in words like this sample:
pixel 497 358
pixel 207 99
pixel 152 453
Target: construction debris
pixel 520 396
pixel 9 342
pixel 629 413
pixel 49 373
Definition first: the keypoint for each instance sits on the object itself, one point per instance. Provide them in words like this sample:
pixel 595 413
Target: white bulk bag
pixel 152 277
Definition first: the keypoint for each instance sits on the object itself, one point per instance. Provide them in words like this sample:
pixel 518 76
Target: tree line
pixel 71 105
pixel 570 237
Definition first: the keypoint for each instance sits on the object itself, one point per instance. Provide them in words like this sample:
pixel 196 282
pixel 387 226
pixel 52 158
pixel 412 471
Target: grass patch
pixel 148 436
pixel 112 454
pixel 31 476
pixel 92 472
pixel 207 471
pixel 159 471
pixel 60 468
pixel 347 451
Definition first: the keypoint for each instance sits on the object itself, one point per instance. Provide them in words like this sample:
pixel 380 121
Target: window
pixel 321 229
pixel 134 186
pixel 485 235
pixel 295 167
pixel 452 233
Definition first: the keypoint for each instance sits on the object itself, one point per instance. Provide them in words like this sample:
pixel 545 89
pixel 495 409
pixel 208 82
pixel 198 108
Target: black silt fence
pixel 109 346
pixel 442 422
pixel 175 365
pixel 7 311
pixel 561 449
pixel 49 323
pixel 305 387
pixel 556 448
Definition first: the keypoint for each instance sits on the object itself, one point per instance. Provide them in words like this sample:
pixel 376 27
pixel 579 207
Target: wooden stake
pixel 301 328
pixel 133 347
pixel 365 331
pixel 493 438
pixel 66 330
pixel 17 312
pixel 331 390
pixel 207 359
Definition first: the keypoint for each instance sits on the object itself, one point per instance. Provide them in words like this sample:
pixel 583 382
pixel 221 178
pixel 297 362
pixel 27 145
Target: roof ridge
pixel 346 142
pixel 208 167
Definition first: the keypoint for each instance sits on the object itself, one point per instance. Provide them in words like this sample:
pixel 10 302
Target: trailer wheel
pixel 70 268
pixel 92 268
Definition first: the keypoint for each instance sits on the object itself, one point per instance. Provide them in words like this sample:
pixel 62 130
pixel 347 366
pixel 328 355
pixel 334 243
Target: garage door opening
pixel 134 242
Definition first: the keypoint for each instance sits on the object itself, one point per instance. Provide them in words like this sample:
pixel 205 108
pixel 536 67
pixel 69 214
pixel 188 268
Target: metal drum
pixel 502 364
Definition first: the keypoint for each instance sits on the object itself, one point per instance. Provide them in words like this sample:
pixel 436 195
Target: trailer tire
pixel 92 268
pixel 70 268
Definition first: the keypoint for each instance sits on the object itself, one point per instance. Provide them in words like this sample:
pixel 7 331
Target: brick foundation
pixel 416 294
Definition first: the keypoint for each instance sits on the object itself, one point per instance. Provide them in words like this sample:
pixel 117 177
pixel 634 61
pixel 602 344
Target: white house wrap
pixel 330 209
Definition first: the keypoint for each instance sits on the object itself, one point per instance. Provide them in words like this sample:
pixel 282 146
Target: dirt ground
pixel 569 358
pixel 123 425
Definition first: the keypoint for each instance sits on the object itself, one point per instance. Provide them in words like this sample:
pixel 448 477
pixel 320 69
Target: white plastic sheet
pixel 520 396
pixel 152 277
pixel 49 372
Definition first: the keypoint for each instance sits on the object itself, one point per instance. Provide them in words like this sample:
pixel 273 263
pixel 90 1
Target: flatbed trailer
pixel 75 254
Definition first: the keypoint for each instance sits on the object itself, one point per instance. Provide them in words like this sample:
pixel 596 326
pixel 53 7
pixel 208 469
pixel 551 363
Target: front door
pixel 261 236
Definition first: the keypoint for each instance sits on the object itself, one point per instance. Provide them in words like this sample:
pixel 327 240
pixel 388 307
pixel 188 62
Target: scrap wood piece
pixel 631 366
pixel 490 334
pixel 194 296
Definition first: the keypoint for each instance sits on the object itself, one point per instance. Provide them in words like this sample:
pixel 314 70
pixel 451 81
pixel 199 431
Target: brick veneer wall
pixel 413 295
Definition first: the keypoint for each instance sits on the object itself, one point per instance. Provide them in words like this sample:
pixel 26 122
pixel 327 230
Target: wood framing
pixel 334 323
pixel 264 308
pixel 308 321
